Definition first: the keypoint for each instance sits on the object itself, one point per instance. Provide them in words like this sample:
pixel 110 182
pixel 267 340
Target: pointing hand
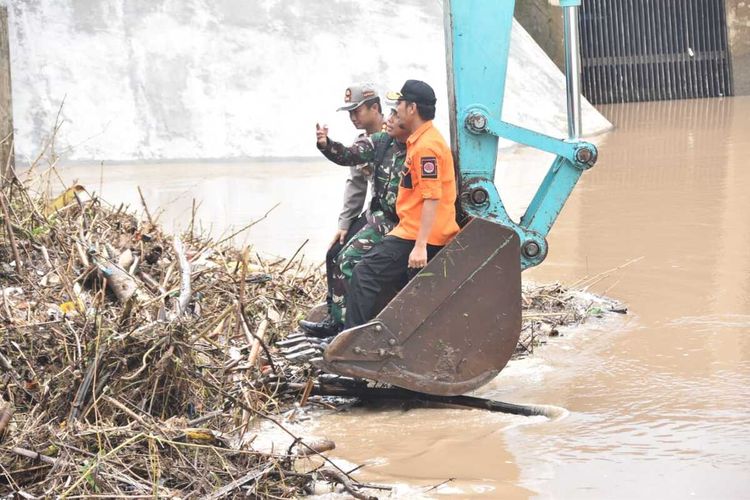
pixel 321 134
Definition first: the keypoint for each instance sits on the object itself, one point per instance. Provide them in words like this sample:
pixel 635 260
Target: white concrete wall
pixel 165 79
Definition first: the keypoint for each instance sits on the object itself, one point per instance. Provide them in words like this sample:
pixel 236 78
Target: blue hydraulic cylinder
pixel 477 35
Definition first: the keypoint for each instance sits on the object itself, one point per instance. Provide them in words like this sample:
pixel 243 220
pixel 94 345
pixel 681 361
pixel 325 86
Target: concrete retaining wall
pixel 738 24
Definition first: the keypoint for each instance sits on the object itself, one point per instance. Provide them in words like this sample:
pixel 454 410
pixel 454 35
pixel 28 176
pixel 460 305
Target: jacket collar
pixel 419 132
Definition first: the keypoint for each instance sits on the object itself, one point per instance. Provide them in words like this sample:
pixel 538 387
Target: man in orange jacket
pixel 425 207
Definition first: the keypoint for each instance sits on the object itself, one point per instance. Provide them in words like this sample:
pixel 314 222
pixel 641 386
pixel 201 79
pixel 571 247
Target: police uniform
pixel 386 157
pixel 428 174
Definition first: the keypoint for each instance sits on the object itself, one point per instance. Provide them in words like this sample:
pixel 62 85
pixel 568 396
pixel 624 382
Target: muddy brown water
pixel 658 401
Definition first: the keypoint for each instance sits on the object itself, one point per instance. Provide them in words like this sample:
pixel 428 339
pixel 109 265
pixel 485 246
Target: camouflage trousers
pixel 378 225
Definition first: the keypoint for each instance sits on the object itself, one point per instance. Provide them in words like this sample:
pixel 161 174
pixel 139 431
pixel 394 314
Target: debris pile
pixel 139 363
pixel 547 308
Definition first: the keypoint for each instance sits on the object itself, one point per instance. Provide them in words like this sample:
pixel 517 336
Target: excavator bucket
pixel 452 328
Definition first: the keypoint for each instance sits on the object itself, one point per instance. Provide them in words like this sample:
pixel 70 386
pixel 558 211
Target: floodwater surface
pixel 658 400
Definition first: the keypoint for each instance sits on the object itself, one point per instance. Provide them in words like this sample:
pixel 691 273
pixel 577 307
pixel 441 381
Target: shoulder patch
pixel 429 167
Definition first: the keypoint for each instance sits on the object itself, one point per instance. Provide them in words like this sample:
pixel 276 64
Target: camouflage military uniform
pixel 384 158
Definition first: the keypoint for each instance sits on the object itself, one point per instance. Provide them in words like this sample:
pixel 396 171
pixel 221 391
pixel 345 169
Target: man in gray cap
pixel 365 111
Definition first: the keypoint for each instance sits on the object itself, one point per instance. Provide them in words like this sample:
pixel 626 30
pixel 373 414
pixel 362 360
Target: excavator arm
pixel 477 35
pixel 457 323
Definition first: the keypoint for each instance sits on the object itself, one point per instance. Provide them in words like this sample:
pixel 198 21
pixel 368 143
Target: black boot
pixel 321 329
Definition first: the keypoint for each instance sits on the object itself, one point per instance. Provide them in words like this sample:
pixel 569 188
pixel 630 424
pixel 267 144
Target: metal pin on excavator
pixel 456 325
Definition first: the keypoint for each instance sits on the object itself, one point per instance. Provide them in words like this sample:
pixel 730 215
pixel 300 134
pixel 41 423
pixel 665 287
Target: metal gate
pixel 648 50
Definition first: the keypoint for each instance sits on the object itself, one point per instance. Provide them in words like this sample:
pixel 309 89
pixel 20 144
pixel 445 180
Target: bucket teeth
pixel 299 338
pixel 284 344
pixel 296 348
pixel 292 340
pixel 300 348
pixel 305 355
pixel 321 342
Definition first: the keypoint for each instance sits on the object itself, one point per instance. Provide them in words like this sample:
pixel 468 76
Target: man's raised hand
pixel 322 134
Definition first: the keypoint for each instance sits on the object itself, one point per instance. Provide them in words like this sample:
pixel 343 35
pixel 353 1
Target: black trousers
pixel 378 277
pixel 334 251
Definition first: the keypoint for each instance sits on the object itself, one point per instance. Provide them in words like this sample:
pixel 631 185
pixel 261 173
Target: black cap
pixel 415 91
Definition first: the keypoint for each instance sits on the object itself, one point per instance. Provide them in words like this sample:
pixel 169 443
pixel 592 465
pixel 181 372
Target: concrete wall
pixel 738 27
pixel 166 79
pixel 544 23
pixel 6 115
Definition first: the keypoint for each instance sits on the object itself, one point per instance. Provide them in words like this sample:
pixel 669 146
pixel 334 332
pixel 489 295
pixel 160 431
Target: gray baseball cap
pixel 358 94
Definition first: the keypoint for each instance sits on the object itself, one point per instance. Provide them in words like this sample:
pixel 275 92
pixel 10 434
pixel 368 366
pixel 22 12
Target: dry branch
pixel 185 289
pixel 106 395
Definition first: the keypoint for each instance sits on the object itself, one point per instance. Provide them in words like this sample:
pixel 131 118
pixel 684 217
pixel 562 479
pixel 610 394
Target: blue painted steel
pixel 534 139
pixel 477 43
pixel 477 59
pixel 570 3
pixel 551 196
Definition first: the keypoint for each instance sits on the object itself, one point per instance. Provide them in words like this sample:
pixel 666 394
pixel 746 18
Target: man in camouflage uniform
pixel 362 103
pixel 383 154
